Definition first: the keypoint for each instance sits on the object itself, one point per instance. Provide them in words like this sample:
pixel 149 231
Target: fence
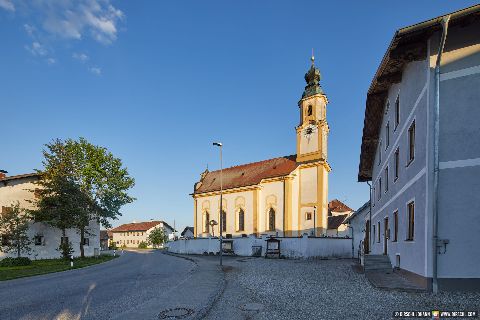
pixel 294 248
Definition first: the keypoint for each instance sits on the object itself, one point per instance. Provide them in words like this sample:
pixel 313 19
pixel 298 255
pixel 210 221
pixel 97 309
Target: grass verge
pixel 48 266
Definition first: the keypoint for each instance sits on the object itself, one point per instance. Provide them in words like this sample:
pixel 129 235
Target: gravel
pixel 320 289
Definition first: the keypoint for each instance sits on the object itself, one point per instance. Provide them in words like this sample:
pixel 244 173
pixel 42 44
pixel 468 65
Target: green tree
pixel 14 225
pixel 157 237
pixel 84 181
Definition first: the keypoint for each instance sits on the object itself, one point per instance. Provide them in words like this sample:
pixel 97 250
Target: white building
pixel 338 212
pixel 46 239
pixel 421 151
pixel 358 222
pixel 132 234
pixel 187 233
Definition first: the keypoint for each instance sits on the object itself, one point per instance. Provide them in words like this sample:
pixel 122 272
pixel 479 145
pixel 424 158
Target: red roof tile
pixel 338 206
pixel 247 174
pixel 139 226
pixel 335 221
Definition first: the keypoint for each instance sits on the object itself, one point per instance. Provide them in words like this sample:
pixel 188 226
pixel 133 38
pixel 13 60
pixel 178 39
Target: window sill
pixel 409 162
pixel 409 240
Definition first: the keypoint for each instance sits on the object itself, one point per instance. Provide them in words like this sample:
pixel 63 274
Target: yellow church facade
pixel 284 196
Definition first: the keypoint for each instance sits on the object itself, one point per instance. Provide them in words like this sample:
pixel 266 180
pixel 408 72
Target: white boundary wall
pixel 293 248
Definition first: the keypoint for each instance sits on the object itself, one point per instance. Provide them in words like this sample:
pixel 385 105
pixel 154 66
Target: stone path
pixel 392 281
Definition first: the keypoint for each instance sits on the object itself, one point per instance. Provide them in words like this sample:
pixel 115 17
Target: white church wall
pixel 308 184
pixel 231 203
pixel 271 195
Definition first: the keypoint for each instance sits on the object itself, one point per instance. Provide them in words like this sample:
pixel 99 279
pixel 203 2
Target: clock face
pixel 309 131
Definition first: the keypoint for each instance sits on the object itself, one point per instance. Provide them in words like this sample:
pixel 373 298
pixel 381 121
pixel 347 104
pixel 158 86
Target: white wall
pixel 18 190
pixel 294 248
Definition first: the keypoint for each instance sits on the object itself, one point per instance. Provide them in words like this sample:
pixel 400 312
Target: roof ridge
pixel 255 162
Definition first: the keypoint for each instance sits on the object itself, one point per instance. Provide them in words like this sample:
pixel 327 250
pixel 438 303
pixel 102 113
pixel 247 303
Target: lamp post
pixel 314 221
pixel 220 145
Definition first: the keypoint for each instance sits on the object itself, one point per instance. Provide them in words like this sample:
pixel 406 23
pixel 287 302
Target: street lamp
pixel 314 221
pixel 220 145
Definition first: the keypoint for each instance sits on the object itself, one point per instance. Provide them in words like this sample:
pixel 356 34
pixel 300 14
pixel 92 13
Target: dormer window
pixel 309 110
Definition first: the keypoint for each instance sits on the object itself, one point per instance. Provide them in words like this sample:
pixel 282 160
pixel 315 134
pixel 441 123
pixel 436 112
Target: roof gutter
pixel 445 20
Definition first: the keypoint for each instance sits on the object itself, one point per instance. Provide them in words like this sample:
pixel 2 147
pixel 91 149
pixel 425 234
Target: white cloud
pixel 28 29
pixel 7 5
pixel 80 56
pixel 74 19
pixel 95 70
pixel 51 61
pixel 37 49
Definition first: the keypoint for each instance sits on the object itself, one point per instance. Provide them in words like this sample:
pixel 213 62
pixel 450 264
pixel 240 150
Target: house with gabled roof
pixel 130 235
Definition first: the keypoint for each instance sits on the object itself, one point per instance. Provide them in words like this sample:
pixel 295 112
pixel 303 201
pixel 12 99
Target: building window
pixel 86 241
pixel 38 240
pixel 64 240
pixel 374 232
pixel 224 221
pixel 380 153
pixel 309 110
pixel 378 233
pixel 395 226
pixel 5 240
pixel 386 179
pixel 271 219
pixel 387 135
pixel 241 220
pixel 379 188
pixel 397 111
pixel 397 161
pixel 411 142
pixel 206 222
pixel 411 221
pixel 308 216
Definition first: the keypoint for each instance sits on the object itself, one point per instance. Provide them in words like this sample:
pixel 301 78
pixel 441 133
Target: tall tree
pixel 87 180
pixel 157 237
pixel 14 224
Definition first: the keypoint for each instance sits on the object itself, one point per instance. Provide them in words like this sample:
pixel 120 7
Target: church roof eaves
pixel 247 174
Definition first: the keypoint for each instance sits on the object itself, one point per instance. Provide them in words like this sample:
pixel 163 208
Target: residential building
pixel 187 233
pixel 130 235
pixel 358 221
pixel 45 238
pixel 431 234
pixel 337 213
pixel 276 196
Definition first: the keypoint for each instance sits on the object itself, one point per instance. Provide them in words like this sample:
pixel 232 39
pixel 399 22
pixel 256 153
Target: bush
pixel 65 249
pixel 143 245
pixel 113 246
pixel 15 262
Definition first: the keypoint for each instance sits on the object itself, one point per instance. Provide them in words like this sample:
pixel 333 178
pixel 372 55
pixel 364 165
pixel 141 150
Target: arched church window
pixel 309 110
pixel 206 222
pixel 224 221
pixel 241 220
pixel 271 219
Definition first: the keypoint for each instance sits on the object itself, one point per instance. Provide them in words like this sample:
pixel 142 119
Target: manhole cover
pixel 252 307
pixel 175 313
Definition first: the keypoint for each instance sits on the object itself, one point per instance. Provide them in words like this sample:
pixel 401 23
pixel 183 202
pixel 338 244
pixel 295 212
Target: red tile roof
pixel 247 174
pixel 335 221
pixel 20 176
pixel 338 206
pixel 139 226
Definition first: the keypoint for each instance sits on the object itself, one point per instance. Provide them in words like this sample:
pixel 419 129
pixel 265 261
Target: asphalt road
pixel 112 290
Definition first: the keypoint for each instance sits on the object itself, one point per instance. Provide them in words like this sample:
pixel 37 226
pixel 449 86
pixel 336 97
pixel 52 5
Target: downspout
pixel 436 160
pixel 284 207
pixel 370 242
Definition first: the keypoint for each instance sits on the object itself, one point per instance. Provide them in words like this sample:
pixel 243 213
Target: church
pixel 284 196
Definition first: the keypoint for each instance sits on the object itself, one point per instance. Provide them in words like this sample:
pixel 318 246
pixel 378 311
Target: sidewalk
pixel 189 299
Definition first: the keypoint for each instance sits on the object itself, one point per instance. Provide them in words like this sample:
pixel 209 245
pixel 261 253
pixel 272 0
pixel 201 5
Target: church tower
pixel 312 139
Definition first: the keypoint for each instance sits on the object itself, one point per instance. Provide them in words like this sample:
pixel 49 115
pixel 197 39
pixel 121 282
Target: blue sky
pixel 156 82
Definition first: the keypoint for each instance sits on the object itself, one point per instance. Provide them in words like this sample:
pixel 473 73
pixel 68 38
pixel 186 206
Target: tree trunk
pixel 82 237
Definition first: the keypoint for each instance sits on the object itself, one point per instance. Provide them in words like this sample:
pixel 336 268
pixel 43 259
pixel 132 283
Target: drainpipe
pixel 370 242
pixel 353 246
pixel 436 160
